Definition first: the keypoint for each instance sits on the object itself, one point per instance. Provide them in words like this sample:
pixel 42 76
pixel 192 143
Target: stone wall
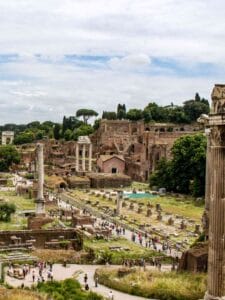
pixel 102 180
pixel 142 145
pixel 42 236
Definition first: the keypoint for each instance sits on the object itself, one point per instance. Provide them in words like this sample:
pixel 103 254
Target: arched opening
pixel 62 185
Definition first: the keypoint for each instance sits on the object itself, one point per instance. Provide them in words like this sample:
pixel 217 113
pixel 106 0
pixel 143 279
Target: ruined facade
pixel 216 201
pixel 142 145
pixel 7 137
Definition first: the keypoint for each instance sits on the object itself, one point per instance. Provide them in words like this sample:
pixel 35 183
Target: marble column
pixel 205 217
pixel 90 158
pixel 83 158
pixel 77 157
pixel 216 272
pixel 216 180
pixel 119 202
pixel 40 209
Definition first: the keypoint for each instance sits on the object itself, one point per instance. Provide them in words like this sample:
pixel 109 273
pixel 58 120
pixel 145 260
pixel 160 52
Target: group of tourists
pixel 39 272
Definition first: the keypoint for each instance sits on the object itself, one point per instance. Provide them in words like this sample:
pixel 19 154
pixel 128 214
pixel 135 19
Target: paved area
pixel 61 273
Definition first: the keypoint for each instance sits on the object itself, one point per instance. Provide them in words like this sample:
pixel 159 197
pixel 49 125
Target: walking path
pixel 172 252
pixel 61 273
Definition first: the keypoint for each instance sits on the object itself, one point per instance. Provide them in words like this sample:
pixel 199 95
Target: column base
pixel 210 297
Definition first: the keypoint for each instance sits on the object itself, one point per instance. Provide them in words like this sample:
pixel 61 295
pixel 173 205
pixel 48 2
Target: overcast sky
pixel 58 56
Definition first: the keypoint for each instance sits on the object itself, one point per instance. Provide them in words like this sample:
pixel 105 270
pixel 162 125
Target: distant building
pixel 7 137
pixel 111 164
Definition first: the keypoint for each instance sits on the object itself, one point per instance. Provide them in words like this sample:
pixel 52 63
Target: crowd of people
pixel 40 271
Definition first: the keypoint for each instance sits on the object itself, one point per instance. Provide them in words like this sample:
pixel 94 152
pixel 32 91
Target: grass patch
pixel 67 289
pixel 153 284
pixel 59 256
pixel 20 202
pixel 129 250
pixel 18 294
pixel 17 222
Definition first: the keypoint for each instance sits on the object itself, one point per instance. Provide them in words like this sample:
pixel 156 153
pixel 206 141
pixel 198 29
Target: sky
pixel 58 56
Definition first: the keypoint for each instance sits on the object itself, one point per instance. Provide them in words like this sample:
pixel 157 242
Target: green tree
pixel 24 138
pixel 56 131
pixel 68 134
pixel 153 112
pixel 96 124
pixel 6 209
pixel 185 173
pixel 82 130
pixel 134 114
pixel 121 111
pixel 109 115
pixel 40 134
pixel 8 156
pixel 86 114
pixel 194 108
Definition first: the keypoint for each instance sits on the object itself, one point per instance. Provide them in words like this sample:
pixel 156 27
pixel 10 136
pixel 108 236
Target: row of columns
pixel 83 147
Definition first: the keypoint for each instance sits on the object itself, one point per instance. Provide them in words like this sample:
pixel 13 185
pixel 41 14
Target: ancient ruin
pixel 216 156
pixel 7 137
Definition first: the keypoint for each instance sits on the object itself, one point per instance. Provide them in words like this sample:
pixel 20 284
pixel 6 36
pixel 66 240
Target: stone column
pixel 205 217
pixel 40 209
pixel 83 157
pixel 77 157
pixel 90 158
pixel 216 276
pixel 119 202
pixel 216 180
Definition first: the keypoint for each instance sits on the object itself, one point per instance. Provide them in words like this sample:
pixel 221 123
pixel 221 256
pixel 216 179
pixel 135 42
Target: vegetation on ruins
pixel 72 127
pixel 67 289
pixel 116 250
pixel 8 156
pixel 153 112
pixel 6 209
pixel 185 173
pixel 154 284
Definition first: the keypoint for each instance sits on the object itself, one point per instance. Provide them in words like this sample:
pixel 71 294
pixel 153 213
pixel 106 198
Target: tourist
pixel 33 275
pixel 110 296
pixel 85 278
pixel 86 287
pixel 96 281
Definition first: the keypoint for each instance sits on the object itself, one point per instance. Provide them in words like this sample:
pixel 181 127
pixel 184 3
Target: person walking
pixel 85 278
pixel 96 281
pixel 110 296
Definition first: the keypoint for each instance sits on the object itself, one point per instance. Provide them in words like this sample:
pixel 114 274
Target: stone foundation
pixel 102 180
pixel 36 222
pixel 41 236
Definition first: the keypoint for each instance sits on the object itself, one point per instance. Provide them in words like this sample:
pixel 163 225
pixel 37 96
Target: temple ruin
pixel 216 190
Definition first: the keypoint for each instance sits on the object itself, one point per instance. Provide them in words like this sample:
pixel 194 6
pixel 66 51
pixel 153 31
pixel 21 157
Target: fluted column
pixel 40 167
pixel 216 255
pixel 83 157
pixel 216 189
pixel 205 217
pixel 77 157
pixel 90 158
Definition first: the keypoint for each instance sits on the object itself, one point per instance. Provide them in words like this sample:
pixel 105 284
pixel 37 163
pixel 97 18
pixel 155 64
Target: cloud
pixel 57 56
pixel 130 62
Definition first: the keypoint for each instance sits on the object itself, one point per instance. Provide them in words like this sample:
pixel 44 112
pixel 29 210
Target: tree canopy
pixel 6 209
pixel 8 156
pixel 86 114
pixel 185 173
